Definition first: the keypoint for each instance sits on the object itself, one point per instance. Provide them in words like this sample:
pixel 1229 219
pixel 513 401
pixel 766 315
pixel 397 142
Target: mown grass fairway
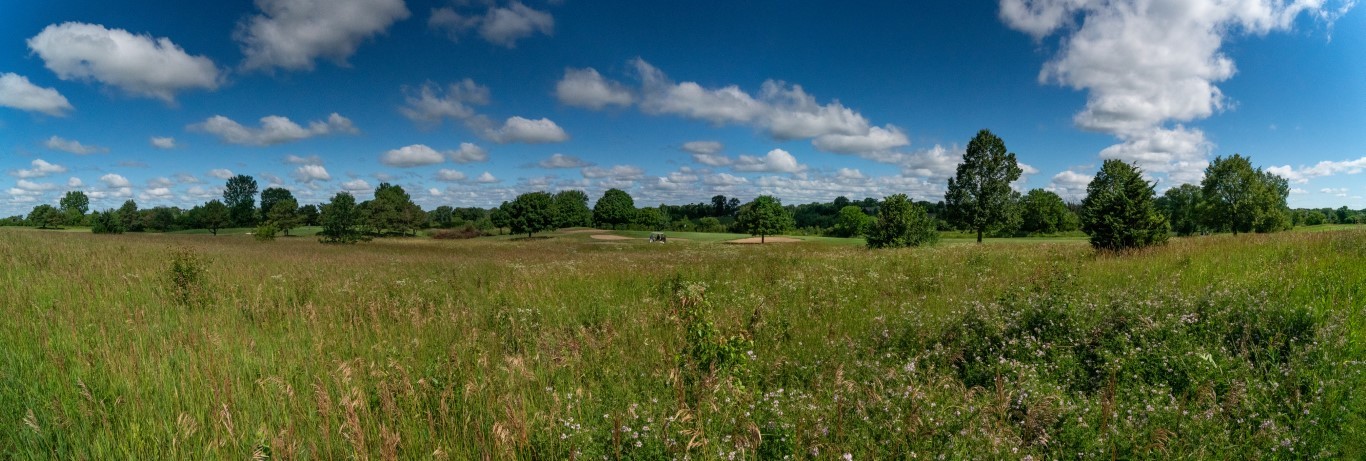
pixel 1247 347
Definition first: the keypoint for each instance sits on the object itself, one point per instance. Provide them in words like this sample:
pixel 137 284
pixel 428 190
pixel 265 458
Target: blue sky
pixel 471 102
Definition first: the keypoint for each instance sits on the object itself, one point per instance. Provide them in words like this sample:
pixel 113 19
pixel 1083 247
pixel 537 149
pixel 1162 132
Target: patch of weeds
pixel 185 278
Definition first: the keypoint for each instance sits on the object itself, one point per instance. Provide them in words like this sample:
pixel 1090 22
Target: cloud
pixel 1070 185
pixel 486 178
pixel 707 152
pixel 1303 174
pixel 310 173
pixel 468 153
pixel 274 129
pixel 785 111
pixel 156 193
pixel 17 92
pixel 291 34
pixel 74 182
pixel 876 139
pixel 41 169
pixel 586 88
pixel 1336 192
pixel 616 172
pixel 75 147
pixel 160 182
pixel 1146 64
pixel 724 179
pixel 849 174
pixel 429 105
pixel 30 186
pixel 518 129
pixel 411 156
pixel 563 161
pixel 114 181
pixel 776 161
pixel 502 26
pixel 356 185
pixel 162 143
pixel 138 65
pixel 221 173
pixel 309 160
pixel 449 175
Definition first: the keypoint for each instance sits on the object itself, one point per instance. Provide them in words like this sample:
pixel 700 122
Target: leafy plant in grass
pixel 706 352
pixel 185 278
pixel 265 232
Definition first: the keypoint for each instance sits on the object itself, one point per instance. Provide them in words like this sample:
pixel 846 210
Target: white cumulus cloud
pixel 411 156
pixel 502 26
pixel 140 65
pixel 429 104
pixel 291 34
pixel 1303 174
pixel 563 161
pixel 776 161
pixel 486 178
pixel 1146 64
pixel 448 175
pixel 163 142
pixel 310 173
pixel 17 92
pixel 356 185
pixel 587 88
pixel 115 180
pixel 468 153
pixel 274 129
pixel 221 173
pixel 72 146
pixel 40 169
pixel 523 130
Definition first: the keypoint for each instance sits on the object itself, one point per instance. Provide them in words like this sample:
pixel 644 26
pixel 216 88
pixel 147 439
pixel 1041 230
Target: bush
pixel 185 278
pixel 901 223
pixel 265 233
pixel 105 222
pixel 466 232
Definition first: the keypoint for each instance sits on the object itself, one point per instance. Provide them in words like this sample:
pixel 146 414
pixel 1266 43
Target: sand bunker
pixel 610 237
pixel 766 240
pixel 585 231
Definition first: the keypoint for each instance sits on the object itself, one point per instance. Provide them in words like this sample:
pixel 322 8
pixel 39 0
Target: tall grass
pixel 1214 347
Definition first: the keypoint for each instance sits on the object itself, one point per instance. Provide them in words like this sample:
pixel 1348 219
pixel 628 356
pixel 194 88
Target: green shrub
pixel 185 278
pixel 265 233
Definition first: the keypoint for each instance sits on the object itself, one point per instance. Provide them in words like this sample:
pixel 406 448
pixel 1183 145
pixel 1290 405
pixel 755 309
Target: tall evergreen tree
pixel 1120 209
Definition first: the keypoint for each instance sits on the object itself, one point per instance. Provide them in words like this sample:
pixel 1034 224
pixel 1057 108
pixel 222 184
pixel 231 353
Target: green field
pixel 1220 347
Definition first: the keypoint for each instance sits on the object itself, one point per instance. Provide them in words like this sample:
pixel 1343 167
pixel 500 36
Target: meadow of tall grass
pixel 202 347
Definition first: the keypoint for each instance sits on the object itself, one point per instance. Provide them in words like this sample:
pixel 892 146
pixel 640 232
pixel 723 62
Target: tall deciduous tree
pixel 530 213
pixel 270 197
pixel 129 216
pixel 214 216
pixel 45 216
pixel 571 209
pixel 339 220
pixel 901 223
pixel 1044 212
pixel 1120 209
pixel 240 196
pixel 851 221
pixel 763 217
pixel 615 207
pixel 1242 199
pixel 979 195
pixel 308 215
pixel 284 215
pixel 393 210
pixel 1182 205
pixel 74 205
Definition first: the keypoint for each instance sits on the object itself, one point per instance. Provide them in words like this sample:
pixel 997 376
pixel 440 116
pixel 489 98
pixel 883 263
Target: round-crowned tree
pixel 1120 210
pixel 763 217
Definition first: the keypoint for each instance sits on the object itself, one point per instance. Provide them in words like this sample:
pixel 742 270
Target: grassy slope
pixel 544 348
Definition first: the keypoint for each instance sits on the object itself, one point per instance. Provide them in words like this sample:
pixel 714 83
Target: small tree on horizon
pixel 615 207
pixel 979 197
pixel 763 217
pixel 214 216
pixel 1120 210
pixel 901 223
pixel 74 205
pixel 339 219
pixel 45 216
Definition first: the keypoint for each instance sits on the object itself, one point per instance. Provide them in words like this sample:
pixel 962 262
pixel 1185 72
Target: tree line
pixel 1120 209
